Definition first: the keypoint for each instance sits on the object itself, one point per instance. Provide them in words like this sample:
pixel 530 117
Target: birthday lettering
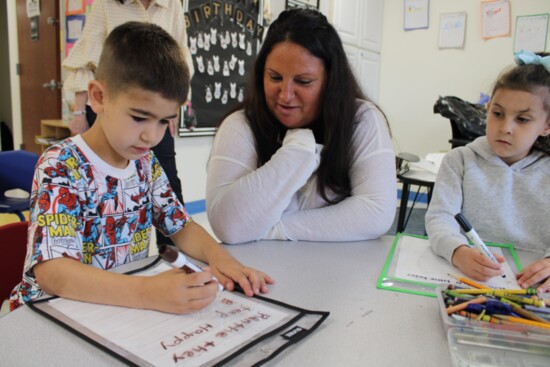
pixel 239 16
pixel 216 5
pixel 207 12
pixel 228 9
pixel 192 351
pixel 177 339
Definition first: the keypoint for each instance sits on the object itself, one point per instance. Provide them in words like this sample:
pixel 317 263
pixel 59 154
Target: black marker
pixel 472 235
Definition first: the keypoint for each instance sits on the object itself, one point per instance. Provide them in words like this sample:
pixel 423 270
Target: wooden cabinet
pixel 51 132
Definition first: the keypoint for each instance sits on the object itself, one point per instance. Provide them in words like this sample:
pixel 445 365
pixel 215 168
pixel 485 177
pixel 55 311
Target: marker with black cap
pixel 472 235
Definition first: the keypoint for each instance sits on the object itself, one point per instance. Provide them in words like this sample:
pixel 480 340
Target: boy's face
pixel 131 121
pixel 515 119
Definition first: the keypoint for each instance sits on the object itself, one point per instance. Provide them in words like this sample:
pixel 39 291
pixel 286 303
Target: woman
pixel 306 156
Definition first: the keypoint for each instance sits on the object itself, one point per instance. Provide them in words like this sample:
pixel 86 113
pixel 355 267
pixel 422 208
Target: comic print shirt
pixel 84 209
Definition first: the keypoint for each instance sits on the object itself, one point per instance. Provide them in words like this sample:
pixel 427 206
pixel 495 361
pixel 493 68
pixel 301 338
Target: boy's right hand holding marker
pixel 475 265
pixel 176 292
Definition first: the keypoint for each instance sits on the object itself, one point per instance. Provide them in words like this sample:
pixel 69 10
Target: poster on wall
pixel 309 4
pixel 416 14
pixel 75 7
pixel 452 30
pixel 531 33
pixel 223 38
pixel 495 19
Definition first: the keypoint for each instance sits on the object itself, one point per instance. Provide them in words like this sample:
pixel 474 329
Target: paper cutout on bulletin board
pixel 416 14
pixel 74 26
pixel 495 18
pixel 531 33
pixel 74 7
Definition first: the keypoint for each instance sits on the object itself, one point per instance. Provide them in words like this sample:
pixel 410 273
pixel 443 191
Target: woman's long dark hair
pixel 335 124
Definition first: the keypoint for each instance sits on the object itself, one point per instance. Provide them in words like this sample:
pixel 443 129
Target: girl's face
pixel 515 119
pixel 294 82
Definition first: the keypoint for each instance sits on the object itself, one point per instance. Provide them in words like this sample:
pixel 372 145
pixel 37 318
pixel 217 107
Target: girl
pixel 499 181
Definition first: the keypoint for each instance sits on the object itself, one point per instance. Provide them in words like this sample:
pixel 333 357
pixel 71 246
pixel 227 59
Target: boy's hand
pixel 539 271
pixel 475 265
pixel 176 292
pixel 228 271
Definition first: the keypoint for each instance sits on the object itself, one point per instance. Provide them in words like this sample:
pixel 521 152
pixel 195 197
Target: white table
pixel 366 326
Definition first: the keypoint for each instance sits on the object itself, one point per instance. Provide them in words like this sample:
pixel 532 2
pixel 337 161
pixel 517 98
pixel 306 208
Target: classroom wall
pixel 414 72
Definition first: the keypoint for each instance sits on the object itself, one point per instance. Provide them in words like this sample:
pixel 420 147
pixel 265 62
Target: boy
pixel 96 195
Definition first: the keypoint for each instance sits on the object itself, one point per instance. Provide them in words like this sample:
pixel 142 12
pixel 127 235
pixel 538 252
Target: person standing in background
pixel 83 59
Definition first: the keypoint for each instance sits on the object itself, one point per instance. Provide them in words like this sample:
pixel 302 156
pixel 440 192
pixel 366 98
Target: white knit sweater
pixel 280 200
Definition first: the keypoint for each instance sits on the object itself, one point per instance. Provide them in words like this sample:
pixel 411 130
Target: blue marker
pixel 472 235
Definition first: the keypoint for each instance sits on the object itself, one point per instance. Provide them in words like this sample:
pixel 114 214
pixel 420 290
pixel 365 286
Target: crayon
pixel 484 318
pixel 519 320
pixel 453 293
pixel 537 309
pixel 490 291
pixel 462 306
pixel 519 299
pixel 524 313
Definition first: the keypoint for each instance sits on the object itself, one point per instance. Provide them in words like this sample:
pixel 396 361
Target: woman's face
pixel 294 83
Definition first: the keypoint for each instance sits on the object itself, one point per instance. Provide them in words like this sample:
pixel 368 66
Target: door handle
pixel 52 20
pixel 52 85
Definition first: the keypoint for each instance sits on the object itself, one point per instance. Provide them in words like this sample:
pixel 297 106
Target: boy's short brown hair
pixel 143 55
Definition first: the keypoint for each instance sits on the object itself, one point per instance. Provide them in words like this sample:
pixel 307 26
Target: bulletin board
pixel 224 38
pixel 75 19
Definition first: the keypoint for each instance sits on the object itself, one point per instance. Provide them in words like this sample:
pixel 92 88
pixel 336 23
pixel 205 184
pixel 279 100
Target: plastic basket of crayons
pixel 495 327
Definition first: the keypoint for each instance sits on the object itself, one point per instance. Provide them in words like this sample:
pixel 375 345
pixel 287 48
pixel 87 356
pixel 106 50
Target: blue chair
pixel 16 172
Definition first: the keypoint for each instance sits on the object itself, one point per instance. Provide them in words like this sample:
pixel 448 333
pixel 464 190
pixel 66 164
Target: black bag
pixel 469 117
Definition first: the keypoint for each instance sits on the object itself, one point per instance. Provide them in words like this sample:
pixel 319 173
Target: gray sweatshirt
pixel 505 204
